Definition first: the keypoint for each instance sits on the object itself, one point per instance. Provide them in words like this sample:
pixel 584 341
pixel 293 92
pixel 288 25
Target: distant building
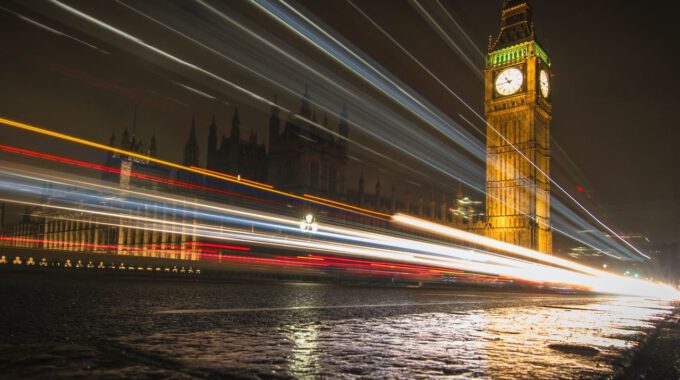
pixel 307 158
pixel 306 155
pixel 45 227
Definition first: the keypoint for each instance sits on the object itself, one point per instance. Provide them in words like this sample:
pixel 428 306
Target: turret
pixel 153 149
pixel 516 25
pixel 211 159
pixel 125 140
pixel 191 147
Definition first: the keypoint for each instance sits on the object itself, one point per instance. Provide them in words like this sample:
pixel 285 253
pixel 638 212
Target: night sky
pixel 614 91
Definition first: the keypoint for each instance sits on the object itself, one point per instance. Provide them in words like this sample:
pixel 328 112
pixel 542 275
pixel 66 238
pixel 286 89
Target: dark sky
pixel 615 89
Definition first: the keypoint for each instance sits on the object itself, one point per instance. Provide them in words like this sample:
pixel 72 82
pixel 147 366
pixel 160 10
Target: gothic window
pixel 314 174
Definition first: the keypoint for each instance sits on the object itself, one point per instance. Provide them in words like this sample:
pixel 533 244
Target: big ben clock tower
pixel 518 112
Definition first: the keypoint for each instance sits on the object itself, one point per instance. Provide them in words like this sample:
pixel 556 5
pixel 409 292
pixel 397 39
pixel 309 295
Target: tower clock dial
pixel 509 81
pixel 544 83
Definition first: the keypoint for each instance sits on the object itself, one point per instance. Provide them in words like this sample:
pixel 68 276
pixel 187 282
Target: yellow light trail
pixel 232 177
pixel 241 89
pixel 327 230
pixel 482 262
pixel 92 144
pixel 521 270
pixel 490 243
pixel 345 205
pixel 454 258
pixel 602 281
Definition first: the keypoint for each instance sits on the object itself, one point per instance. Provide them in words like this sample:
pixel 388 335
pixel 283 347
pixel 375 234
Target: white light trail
pixel 448 39
pixel 607 282
pixel 158 51
pixel 374 245
pixel 428 116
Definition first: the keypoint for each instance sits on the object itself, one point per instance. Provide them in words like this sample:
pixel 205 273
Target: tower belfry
pixel 518 111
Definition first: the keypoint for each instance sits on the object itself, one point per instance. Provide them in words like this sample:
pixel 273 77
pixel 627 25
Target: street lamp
pixel 309 224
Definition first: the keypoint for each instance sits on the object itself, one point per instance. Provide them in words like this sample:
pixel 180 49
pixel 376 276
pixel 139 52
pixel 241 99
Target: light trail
pixel 440 31
pixel 119 32
pixel 364 73
pixel 300 63
pixel 291 57
pixel 450 91
pixel 286 224
pixel 460 99
pixel 147 177
pixel 491 243
pixel 480 263
pixel 54 31
pixel 467 37
pixel 195 169
pixel 609 282
pixel 340 88
pixel 434 256
pixel 529 272
pixel 237 178
pixel 92 144
pixel 185 63
pixel 337 233
pixel 471 109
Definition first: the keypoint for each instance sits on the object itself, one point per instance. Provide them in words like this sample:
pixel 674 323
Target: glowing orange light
pixel 215 245
pixel 346 205
pixel 239 178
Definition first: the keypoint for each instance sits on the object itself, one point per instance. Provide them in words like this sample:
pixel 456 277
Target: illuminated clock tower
pixel 518 112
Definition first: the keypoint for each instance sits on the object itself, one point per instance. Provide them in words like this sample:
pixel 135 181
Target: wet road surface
pixel 59 325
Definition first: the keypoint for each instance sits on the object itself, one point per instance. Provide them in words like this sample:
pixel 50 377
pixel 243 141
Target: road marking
pixel 245 310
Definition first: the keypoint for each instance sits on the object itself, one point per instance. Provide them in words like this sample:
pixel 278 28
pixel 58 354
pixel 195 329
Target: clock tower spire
pixel 518 111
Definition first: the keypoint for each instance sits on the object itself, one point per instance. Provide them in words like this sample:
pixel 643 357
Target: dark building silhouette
pixel 306 155
pixel 120 168
pixel 234 156
pixel 191 147
pixel 307 158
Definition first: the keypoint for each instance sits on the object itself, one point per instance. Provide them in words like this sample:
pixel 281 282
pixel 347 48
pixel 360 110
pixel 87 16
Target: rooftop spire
pixel 516 25
pixel 236 127
pixel 191 146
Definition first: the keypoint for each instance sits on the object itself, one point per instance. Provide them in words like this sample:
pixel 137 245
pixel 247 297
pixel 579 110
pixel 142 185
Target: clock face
pixel 544 83
pixel 509 81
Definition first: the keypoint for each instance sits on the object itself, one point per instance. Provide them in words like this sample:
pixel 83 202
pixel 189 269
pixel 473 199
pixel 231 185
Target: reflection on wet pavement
pixel 114 328
pixel 505 342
